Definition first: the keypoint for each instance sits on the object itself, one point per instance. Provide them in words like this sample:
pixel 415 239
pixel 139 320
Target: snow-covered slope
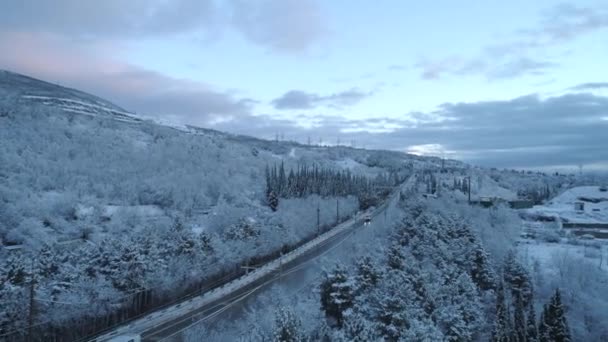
pixel 28 90
pixel 595 205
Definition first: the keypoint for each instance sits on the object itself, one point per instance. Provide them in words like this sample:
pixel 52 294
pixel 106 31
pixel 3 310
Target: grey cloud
pixel 559 24
pixel 504 68
pixel 527 131
pixel 591 86
pixel 108 18
pixel 567 21
pixel 291 25
pixel 164 97
pixel 521 66
pixel 297 99
pixel 285 25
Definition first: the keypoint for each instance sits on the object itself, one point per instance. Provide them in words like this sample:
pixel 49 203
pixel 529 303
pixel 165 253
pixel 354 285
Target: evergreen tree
pixel 544 330
pixel 396 260
pixel 358 329
pixel 518 279
pixel 519 320
pixel 273 201
pixel 482 273
pixel 531 330
pixel 287 327
pixel 393 318
pixel 337 294
pixel 555 319
pixel 502 325
pixel 367 273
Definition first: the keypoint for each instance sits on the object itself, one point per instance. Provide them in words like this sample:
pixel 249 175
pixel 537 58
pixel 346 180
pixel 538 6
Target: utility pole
pixel 318 219
pixel 30 321
pixel 469 188
pixel 337 211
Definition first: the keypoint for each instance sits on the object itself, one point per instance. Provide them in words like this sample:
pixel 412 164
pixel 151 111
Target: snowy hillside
pixel 113 208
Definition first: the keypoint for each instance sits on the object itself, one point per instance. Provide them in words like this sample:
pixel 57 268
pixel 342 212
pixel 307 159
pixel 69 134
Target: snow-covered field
pixel 550 255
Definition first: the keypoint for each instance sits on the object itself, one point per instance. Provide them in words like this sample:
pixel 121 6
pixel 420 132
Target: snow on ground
pixel 484 186
pixel 349 163
pixel 81 107
pixel 563 205
pixel 549 255
pixel 136 210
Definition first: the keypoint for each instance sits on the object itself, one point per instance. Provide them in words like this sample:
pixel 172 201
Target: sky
pixel 518 84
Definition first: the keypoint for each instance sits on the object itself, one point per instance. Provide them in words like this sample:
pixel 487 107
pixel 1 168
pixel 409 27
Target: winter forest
pixel 108 220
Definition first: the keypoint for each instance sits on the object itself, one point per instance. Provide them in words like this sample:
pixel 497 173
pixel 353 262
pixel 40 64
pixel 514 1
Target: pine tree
pixel 502 325
pixel 396 260
pixel 481 271
pixel 543 326
pixel 518 279
pixel 556 320
pixel 358 329
pixel 273 201
pixel 337 294
pixel 287 327
pixel 531 330
pixel 367 273
pixel 519 320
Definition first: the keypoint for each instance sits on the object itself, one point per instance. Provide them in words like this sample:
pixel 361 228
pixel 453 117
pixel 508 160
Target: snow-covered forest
pixel 434 273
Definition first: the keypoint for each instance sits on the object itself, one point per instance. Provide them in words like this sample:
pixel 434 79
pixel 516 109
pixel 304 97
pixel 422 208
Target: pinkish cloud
pixel 87 67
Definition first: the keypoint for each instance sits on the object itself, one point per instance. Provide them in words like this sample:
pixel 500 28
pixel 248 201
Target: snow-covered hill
pixel 594 200
pixel 109 205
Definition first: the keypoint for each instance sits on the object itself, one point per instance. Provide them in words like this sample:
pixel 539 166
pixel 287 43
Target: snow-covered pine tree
pixel 502 324
pixel 273 200
pixel 556 320
pixel 368 275
pixel 396 260
pixel 358 329
pixel 531 329
pixel 517 278
pixel 544 330
pixel 519 320
pixel 482 273
pixel 337 294
pixel 288 327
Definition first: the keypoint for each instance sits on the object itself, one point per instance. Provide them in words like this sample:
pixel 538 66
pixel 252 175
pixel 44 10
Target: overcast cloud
pixel 297 99
pixel 523 132
pixel 290 26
